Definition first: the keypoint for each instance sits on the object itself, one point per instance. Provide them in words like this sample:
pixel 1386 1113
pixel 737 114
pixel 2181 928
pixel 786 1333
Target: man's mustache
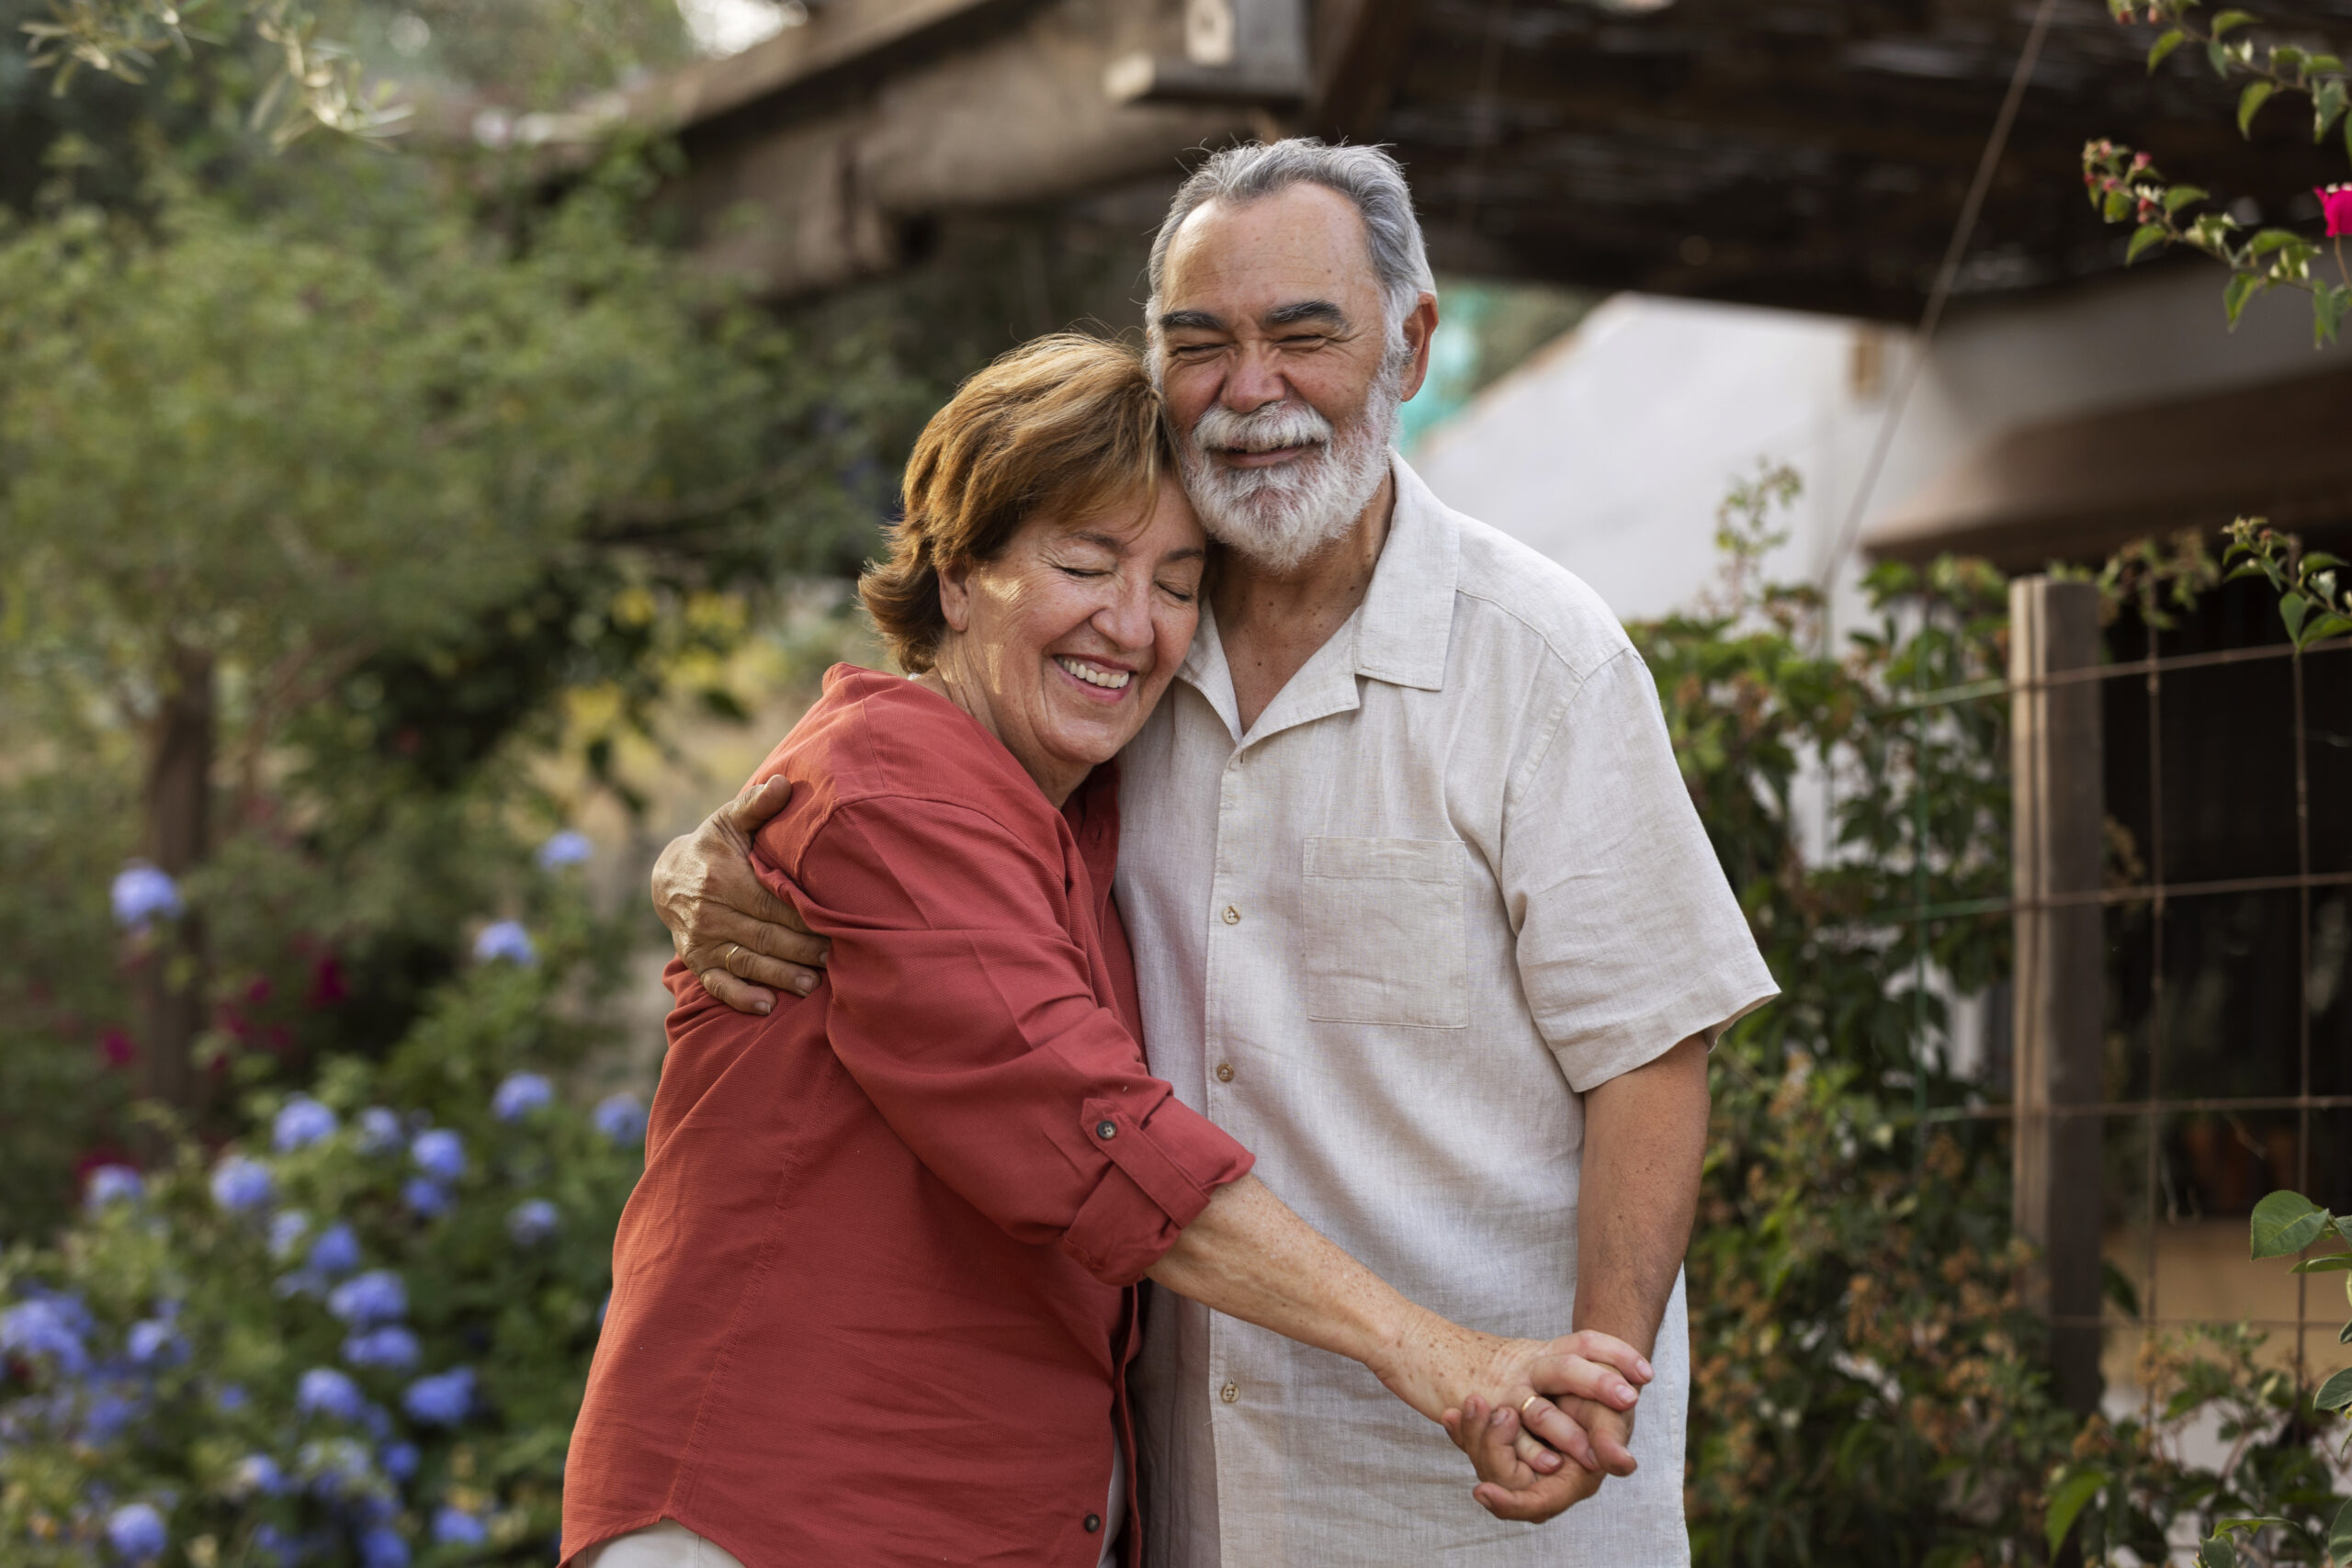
pixel 1220 429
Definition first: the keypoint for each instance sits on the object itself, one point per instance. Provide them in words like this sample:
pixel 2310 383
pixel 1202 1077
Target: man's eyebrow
pixel 1305 311
pixel 1191 321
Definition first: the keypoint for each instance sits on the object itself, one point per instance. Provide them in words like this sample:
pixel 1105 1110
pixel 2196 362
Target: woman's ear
pixel 956 595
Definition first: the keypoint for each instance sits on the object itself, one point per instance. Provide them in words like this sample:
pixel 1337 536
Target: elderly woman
pixel 875 1295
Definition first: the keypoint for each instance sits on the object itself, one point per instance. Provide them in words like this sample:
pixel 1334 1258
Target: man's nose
pixel 1255 380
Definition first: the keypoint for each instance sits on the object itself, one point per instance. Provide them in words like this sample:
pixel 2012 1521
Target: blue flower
pixel 391 1345
pixel 424 1198
pixel 382 1547
pixel 570 847
pixel 440 1154
pixel 287 1229
pixel 48 1325
pixel 520 1094
pixel 398 1461
pixel 302 1122
pixel 452 1525
pixel 337 1251
pixel 531 1220
pixel 108 1415
pixel 326 1391
pixel 113 1184
pixel 507 940
pixel 620 1118
pixel 257 1475
pixel 136 1531
pixel 338 1467
pixel 156 1342
pixel 365 1300
pixel 140 893
pixel 443 1399
pixel 380 1129
pixel 241 1185
pixel 274 1545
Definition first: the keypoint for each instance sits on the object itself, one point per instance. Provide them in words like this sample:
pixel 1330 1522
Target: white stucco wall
pixel 1610 450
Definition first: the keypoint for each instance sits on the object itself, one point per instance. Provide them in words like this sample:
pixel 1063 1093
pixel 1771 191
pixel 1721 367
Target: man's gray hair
pixel 1367 176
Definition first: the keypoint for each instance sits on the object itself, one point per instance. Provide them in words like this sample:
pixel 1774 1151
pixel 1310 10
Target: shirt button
pixel 1229 1393
pixel 1106 1130
pixel 1225 1072
pixel 1093 1523
pixel 1232 915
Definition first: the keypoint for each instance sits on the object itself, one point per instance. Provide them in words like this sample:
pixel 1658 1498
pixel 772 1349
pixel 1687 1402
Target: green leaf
pixel 2116 206
pixel 2320 560
pixel 2218 58
pixel 2292 610
pixel 2343 1335
pixel 2250 103
pixel 2180 197
pixel 2147 236
pixel 2217 1553
pixel 2228 21
pixel 2327 101
pixel 2339 1536
pixel 2067 1503
pixel 2164 46
pixel 2329 626
pixel 2330 1264
pixel 2327 313
pixel 2271 240
pixel 2285 1223
pixel 2336 1393
pixel 2241 287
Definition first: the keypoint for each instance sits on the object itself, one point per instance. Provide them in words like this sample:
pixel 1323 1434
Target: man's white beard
pixel 1280 518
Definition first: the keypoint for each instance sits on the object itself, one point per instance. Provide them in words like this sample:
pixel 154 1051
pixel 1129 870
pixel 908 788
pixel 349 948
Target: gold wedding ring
pixel 727 962
pixel 1528 1401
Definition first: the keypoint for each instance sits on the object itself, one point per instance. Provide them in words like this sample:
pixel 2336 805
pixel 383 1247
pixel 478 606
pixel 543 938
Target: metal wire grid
pixel 2157 893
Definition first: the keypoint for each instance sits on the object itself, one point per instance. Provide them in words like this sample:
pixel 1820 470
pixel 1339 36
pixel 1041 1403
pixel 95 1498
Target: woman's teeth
pixel 1109 679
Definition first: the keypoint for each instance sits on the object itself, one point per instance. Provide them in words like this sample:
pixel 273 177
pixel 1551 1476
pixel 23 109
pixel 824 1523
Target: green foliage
pixel 420 498
pixel 2126 186
pixel 2314 599
pixel 501 1270
pixel 1867 1374
pixel 2273 1499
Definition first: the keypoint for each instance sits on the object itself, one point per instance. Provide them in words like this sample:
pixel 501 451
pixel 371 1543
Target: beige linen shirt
pixel 1449 882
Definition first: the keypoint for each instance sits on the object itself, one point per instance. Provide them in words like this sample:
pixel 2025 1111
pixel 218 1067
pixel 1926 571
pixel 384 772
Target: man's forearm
pixel 1645 1136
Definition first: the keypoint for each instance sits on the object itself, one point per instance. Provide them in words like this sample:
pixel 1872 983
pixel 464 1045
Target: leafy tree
pixel 329 507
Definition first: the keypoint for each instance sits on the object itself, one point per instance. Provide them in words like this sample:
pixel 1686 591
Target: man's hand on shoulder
pixel 742 942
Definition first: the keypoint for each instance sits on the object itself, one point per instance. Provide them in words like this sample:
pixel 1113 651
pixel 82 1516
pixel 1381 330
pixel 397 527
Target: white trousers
pixel 666 1545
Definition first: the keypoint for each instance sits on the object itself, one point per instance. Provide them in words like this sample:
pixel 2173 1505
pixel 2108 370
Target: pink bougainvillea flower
pixel 116 1050
pixel 2335 202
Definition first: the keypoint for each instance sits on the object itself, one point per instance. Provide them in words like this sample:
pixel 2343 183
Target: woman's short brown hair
pixel 1067 422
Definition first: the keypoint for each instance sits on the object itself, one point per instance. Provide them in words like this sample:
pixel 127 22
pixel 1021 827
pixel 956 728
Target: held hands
pixel 1476 1385
pixel 742 942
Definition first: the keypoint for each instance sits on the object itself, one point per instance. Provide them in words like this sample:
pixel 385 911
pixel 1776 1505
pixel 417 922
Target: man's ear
pixel 1420 327
pixel 956 595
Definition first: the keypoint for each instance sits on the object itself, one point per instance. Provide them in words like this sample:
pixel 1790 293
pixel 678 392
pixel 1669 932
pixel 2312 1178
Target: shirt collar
pixel 1399 634
pixel 1406 622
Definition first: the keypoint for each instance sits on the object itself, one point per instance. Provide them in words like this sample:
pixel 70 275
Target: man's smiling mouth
pixel 1094 675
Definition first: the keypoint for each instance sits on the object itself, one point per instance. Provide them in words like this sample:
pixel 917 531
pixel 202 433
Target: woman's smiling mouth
pixel 1093 674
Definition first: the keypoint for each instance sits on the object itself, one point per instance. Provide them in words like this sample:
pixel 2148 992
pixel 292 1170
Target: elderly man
pixel 1421 913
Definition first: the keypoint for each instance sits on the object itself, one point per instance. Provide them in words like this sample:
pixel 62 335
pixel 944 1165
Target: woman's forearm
pixel 1248 1255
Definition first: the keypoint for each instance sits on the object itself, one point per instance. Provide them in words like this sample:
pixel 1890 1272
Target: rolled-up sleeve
pixel 967 1013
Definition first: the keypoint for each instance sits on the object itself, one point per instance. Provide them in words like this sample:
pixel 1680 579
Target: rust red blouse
pixel 873 1295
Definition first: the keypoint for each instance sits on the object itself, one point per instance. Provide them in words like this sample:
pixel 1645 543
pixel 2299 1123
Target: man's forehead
pixel 1303 243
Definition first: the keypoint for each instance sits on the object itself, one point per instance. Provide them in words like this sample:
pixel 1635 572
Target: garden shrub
pixel 358 1335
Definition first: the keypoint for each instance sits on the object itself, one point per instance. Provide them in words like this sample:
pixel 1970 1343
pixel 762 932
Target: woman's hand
pixel 1489 1393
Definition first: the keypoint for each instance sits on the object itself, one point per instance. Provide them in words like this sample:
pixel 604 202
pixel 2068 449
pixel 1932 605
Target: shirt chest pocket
pixel 1386 941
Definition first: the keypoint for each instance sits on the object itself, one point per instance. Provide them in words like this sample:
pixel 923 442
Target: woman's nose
pixel 1125 617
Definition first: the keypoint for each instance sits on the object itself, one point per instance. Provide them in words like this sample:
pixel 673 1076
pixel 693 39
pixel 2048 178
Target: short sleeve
pixel 1630 940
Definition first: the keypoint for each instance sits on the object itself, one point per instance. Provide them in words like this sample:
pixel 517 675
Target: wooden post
pixel 2055 760
pixel 179 811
